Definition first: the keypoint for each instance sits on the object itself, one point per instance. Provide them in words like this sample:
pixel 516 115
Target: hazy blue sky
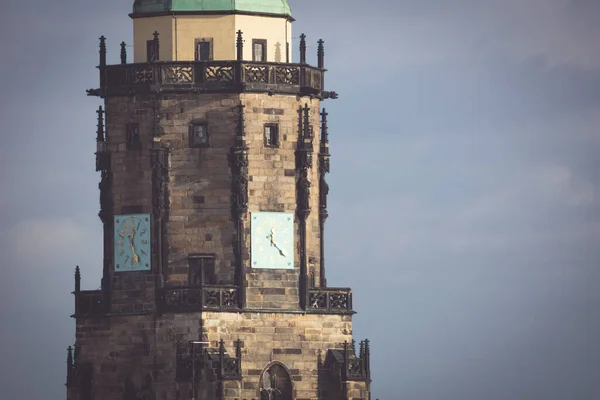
pixel 465 208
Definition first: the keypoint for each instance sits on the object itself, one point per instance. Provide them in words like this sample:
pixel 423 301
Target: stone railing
pixel 90 302
pixel 198 298
pixel 330 299
pixel 211 76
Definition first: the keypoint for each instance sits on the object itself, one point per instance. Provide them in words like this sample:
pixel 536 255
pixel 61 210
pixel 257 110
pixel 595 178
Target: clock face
pixel 132 242
pixel 272 240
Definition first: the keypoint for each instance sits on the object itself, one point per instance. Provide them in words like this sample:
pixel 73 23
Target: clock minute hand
pixel 271 237
pixel 136 258
pixel 278 248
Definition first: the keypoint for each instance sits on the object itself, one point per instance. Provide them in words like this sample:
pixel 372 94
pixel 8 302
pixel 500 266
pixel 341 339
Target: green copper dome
pixel 278 7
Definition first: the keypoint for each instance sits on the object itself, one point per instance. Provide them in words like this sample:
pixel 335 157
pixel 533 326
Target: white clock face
pixel 272 240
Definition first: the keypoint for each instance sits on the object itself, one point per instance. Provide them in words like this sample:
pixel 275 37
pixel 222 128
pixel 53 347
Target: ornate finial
pixel 367 362
pixel 240 46
pixel 77 279
pixel 70 356
pixel 300 130
pixel 307 133
pixel 69 365
pixel 353 347
pixel 324 135
pixel 123 53
pixel 303 49
pixel 240 127
pixel 156 46
pixel 102 51
pixel 321 54
pixel 100 131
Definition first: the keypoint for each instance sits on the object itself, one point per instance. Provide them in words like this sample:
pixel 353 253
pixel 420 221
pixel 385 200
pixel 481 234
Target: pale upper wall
pixel 143 30
pixel 178 35
pixel 219 28
pixel 276 31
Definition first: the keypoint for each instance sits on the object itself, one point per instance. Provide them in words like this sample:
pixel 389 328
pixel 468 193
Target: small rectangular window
pixel 151 51
pixel 132 137
pixel 271 135
pixel 202 269
pixel 259 50
pixel 199 134
pixel 203 50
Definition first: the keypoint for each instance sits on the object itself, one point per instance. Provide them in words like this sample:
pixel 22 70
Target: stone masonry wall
pixel 272 187
pixel 199 220
pixel 199 183
pixel 131 193
pixel 291 339
pixel 137 345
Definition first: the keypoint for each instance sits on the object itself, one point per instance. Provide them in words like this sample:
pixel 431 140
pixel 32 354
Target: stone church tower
pixel 213 154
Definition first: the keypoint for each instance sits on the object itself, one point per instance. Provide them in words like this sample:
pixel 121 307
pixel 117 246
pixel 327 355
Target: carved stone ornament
pixel 240 195
pixel 159 181
pixel 106 203
pixel 304 158
pixel 324 164
pixel 303 194
pixel 239 189
pixel 323 192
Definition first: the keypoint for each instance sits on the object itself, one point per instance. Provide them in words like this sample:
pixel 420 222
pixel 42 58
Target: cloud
pixel 42 240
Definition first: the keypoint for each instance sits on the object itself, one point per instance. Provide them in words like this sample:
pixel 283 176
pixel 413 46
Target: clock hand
pixel 136 258
pixel 280 250
pixel 271 237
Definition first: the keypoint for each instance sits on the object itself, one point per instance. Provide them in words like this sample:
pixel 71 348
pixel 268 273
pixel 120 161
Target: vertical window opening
pixel 271 135
pixel 199 134
pixel 204 49
pixel 202 270
pixel 259 50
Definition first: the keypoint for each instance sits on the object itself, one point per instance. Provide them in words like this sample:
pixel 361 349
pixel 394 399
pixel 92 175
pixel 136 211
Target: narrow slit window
pixel 271 135
pixel 259 50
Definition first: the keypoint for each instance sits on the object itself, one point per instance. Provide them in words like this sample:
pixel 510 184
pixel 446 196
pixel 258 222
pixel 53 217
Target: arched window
pixel 275 383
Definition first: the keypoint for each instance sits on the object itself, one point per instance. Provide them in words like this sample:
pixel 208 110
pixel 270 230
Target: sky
pixel 465 188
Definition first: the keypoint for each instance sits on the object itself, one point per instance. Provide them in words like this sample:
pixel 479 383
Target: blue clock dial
pixel 272 240
pixel 132 242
